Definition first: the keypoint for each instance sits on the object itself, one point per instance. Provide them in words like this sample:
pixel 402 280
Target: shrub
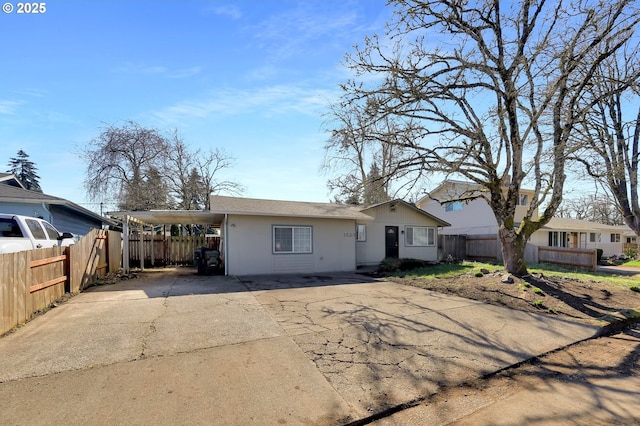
pixel 392 264
pixel 599 254
pixel 631 253
pixel 389 264
pixel 408 264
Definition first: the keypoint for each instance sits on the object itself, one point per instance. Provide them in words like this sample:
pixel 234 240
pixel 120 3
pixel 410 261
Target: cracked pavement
pixel 177 348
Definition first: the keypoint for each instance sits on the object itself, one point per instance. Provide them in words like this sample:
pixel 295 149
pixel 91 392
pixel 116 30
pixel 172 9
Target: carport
pixel 163 217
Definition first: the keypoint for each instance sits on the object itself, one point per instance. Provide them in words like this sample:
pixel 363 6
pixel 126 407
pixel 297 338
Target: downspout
pixel 225 247
pixel 50 218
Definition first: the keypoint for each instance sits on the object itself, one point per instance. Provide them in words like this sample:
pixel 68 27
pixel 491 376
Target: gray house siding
pixel 249 245
pixel 372 251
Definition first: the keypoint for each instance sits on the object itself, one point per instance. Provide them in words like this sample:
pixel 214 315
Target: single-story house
pixel 575 233
pixel 271 236
pixel 65 215
pixel 259 236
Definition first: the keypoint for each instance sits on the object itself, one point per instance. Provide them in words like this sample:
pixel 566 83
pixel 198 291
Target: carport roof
pixel 169 217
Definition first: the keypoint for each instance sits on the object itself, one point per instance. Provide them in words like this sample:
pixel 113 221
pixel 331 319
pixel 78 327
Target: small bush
pixel 599 254
pixel 409 264
pixel 389 264
pixel 392 264
pixel 631 253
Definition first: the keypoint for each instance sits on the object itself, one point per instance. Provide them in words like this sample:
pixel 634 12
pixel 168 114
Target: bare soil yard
pixel 596 300
pixel 600 372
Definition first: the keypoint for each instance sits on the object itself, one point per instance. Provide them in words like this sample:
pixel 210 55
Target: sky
pixel 254 78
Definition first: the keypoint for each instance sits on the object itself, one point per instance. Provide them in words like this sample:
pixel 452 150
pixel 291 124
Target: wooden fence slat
pixel 32 280
pixel 46 284
pixel 48 260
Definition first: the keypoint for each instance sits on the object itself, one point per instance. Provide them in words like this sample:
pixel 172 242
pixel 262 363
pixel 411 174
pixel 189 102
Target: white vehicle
pixel 18 233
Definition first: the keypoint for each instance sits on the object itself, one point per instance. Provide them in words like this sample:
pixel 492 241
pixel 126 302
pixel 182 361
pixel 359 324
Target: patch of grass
pixel 576 274
pixel 536 290
pixel 635 263
pixel 448 270
pixel 635 288
pixel 538 304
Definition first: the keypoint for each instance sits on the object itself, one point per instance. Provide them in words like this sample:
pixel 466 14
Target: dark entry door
pixel 391 241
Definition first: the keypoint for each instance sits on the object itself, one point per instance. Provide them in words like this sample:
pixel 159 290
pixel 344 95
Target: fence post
pixel 67 269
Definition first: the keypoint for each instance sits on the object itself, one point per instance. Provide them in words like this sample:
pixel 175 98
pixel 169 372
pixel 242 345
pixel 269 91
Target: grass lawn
pixel 465 268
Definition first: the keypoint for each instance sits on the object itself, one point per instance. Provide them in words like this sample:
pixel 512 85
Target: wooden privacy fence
pixel 32 280
pixel 483 247
pixel 452 247
pixel 160 251
pixel 488 248
pixel 580 258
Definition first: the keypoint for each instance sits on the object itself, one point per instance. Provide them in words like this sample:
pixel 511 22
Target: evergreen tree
pixel 375 190
pixel 25 171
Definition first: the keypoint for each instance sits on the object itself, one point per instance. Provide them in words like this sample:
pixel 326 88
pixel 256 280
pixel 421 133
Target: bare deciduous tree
pixel 120 160
pixel 209 164
pixel 611 133
pixel 361 155
pixel 143 169
pixel 592 207
pixel 493 90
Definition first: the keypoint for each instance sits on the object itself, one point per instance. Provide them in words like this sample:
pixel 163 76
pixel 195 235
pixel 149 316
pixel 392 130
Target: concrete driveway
pixel 177 348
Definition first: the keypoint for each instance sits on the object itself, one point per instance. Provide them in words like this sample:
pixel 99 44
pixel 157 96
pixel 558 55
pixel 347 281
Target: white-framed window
pixel 420 236
pixel 292 239
pixel 615 238
pixel 453 206
pixel 557 239
pixel 523 200
pixel 361 232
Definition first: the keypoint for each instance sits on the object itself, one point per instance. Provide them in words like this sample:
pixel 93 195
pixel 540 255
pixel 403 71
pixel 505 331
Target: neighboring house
pixel 270 236
pixel 475 217
pixel 574 233
pixel 471 216
pixel 61 213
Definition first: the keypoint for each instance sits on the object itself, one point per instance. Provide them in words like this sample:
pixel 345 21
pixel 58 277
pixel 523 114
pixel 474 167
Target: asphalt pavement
pixel 177 348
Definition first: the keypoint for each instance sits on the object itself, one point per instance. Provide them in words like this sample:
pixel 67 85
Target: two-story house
pixel 456 202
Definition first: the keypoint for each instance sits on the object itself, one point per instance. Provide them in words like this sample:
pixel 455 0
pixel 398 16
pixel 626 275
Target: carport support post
pixel 125 245
pixel 141 251
pixel 153 263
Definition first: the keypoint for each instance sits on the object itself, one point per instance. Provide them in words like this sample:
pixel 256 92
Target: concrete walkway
pixel 176 348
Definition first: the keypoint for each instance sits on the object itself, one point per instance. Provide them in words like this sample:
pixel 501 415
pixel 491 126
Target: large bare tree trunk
pixel 513 250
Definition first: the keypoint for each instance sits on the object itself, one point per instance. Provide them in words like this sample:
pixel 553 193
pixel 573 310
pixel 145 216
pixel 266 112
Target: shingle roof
pixel 261 207
pixel 12 194
pixel 413 207
pixel 10 179
pixel 566 224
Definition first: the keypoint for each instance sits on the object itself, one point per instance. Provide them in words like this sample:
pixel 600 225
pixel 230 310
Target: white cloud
pixel 9 107
pixel 273 100
pixel 143 69
pixel 232 12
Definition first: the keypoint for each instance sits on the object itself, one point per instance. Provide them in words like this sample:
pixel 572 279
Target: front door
pixel 391 241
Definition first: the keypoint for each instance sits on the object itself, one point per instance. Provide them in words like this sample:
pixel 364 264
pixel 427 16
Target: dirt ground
pixel 595 301
pixel 614 357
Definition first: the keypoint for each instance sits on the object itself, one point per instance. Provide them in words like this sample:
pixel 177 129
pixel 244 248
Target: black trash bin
pixel 207 260
pixel 200 259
